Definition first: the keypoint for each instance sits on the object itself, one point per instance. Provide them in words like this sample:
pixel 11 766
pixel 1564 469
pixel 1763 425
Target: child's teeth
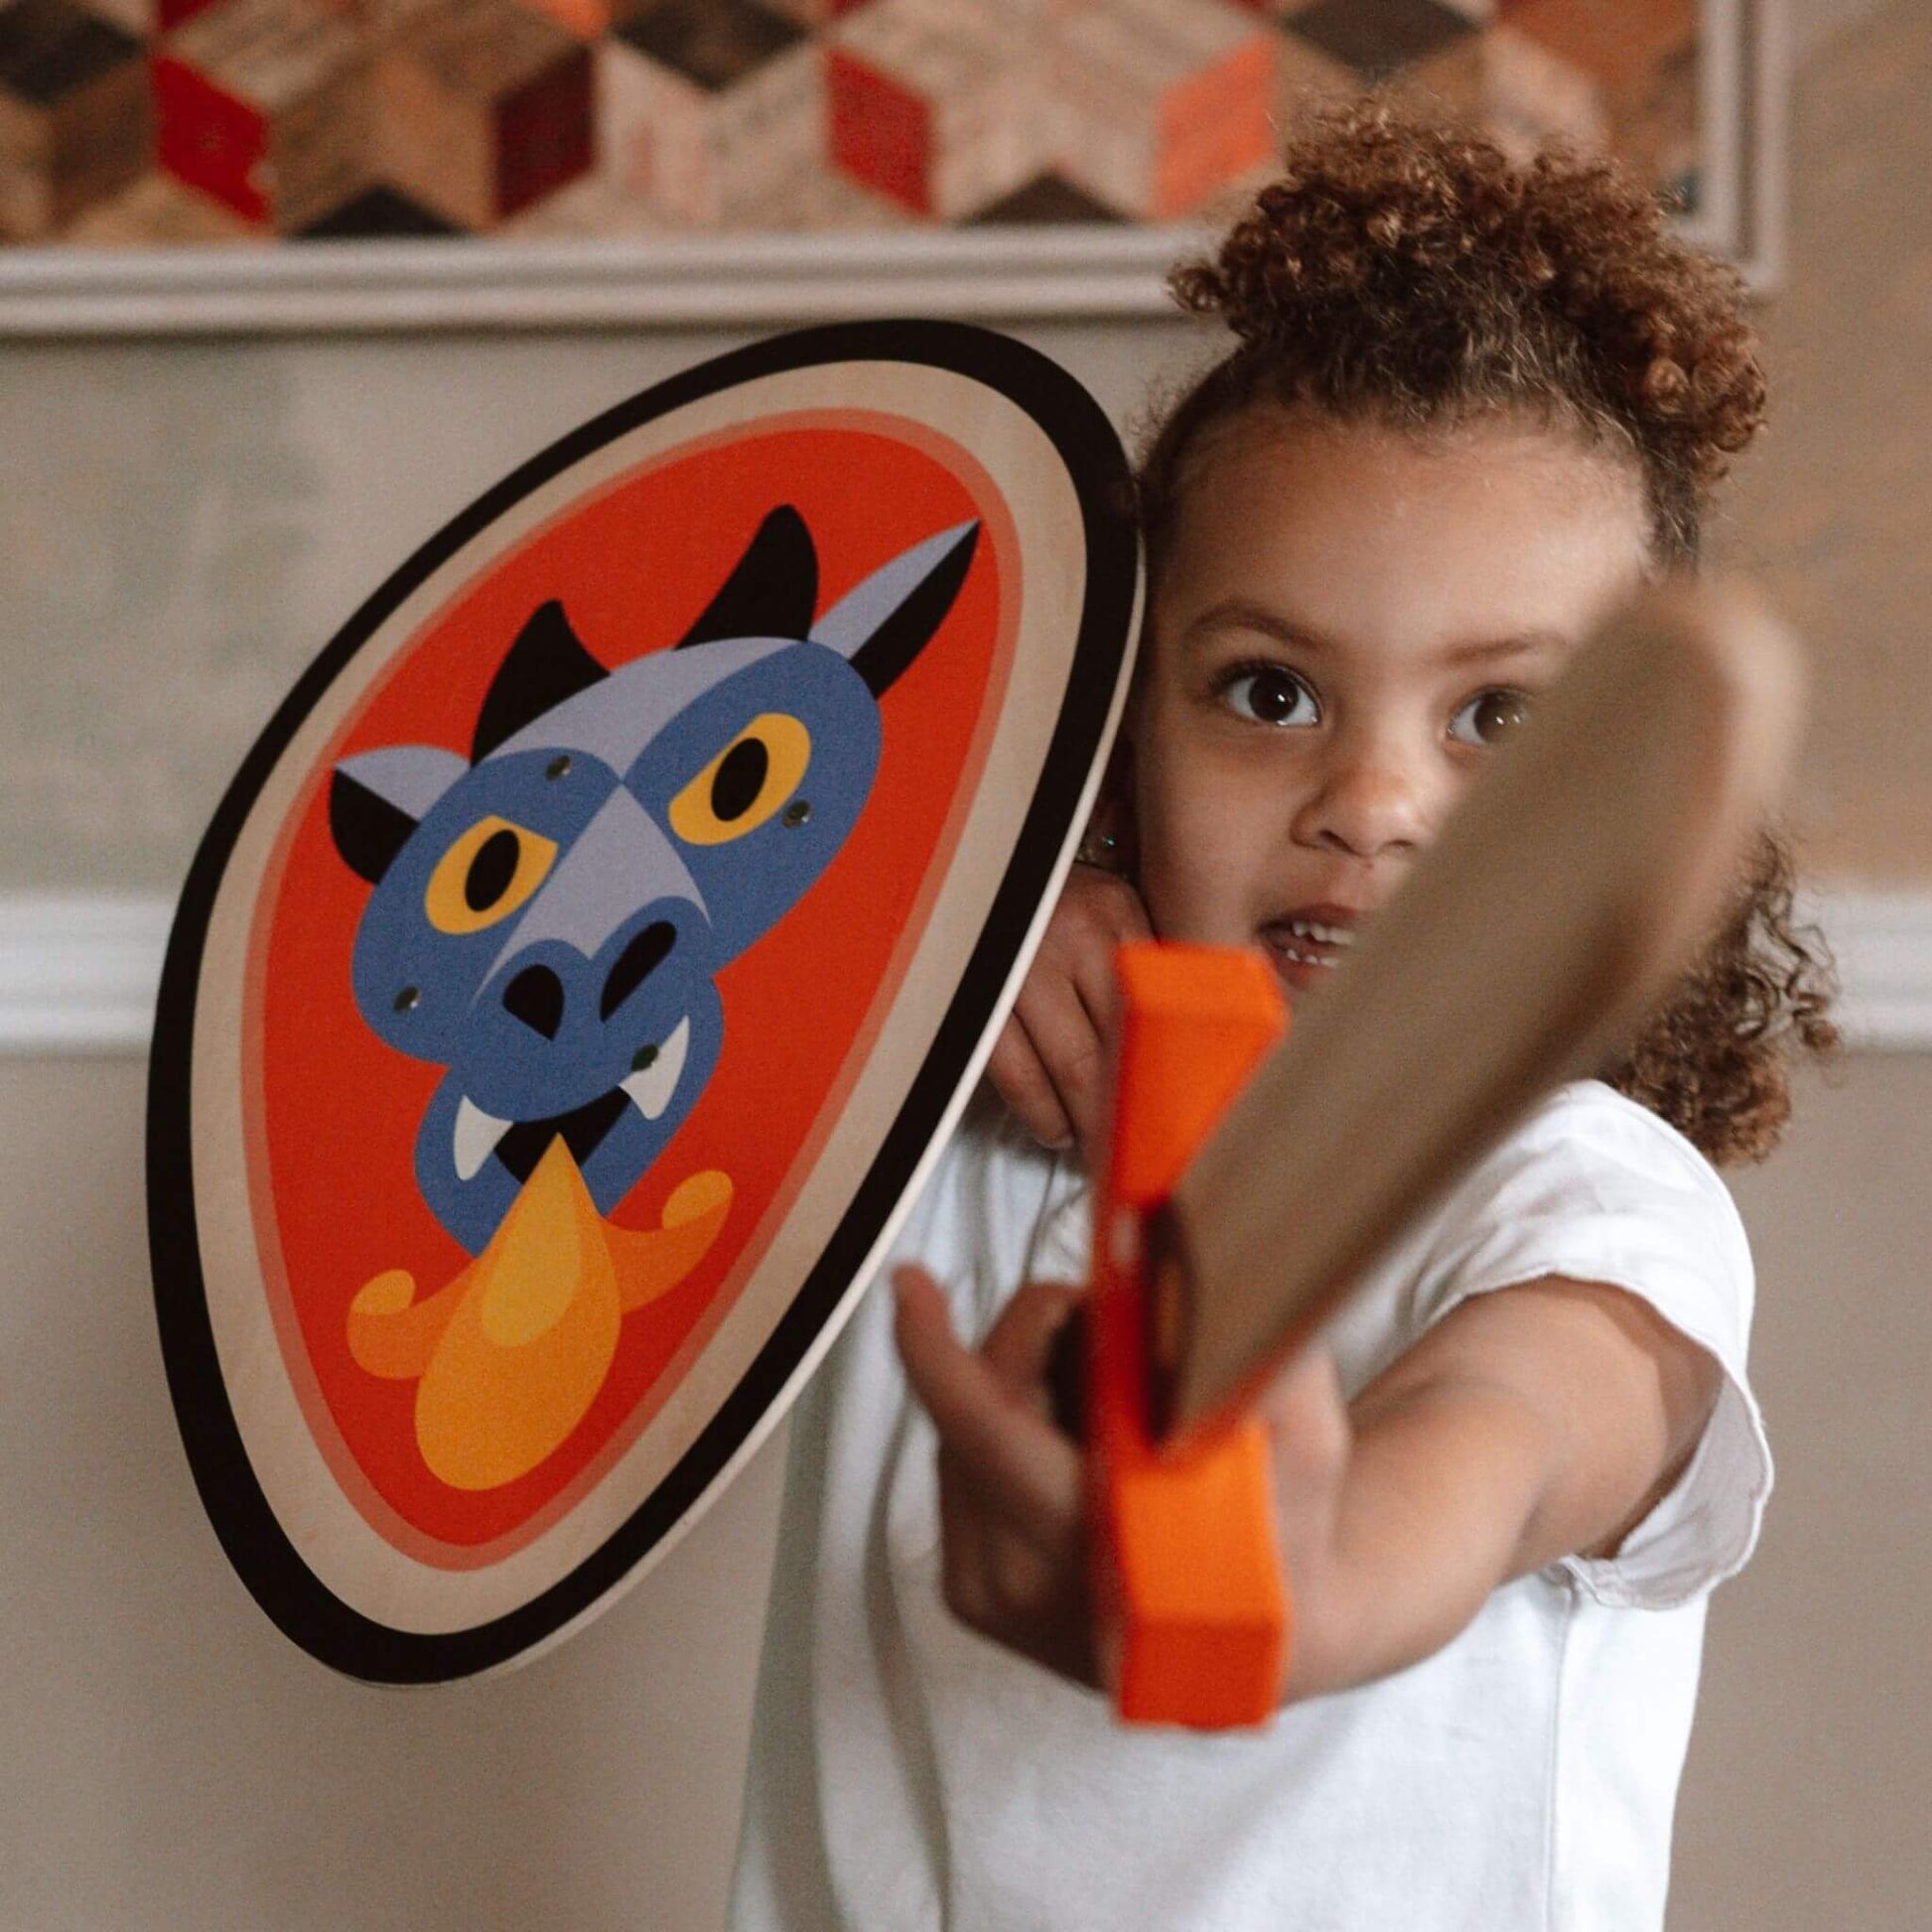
pixel 1327 935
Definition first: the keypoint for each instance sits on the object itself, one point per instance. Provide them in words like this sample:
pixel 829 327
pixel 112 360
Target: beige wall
pixel 1806 1795
pixel 1835 508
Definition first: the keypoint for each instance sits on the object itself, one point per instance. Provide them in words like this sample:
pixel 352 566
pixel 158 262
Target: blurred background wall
pixel 181 525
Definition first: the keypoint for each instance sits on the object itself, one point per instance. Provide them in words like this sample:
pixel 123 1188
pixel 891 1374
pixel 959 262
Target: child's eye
pixel 1270 695
pixel 1490 717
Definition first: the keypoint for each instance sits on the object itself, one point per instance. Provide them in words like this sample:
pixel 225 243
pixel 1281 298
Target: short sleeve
pixel 1597 1188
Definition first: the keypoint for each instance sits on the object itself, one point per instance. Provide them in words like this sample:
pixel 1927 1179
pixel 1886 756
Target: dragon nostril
pixel 536 996
pixel 639 960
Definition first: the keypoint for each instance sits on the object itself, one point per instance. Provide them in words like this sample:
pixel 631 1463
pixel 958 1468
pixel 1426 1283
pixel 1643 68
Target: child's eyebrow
pixel 1237 614
pixel 1521 643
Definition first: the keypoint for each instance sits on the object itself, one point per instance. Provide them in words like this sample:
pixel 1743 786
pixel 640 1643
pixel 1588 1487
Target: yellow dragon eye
pixel 489 872
pixel 745 783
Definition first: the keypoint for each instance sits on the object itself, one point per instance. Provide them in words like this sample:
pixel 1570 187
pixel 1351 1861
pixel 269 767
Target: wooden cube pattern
pixel 265 106
pixel 1532 94
pixel 1641 59
pixel 939 104
pixel 1376 38
pixel 1164 102
pixel 486 108
pixel 816 13
pixel 380 213
pixel 76 122
pixel 169 14
pixel 140 19
pixel 186 120
pixel 706 104
pixel 1620 46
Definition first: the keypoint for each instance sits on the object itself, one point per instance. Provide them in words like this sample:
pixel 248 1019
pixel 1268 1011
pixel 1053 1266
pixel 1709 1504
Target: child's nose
pixel 1367 807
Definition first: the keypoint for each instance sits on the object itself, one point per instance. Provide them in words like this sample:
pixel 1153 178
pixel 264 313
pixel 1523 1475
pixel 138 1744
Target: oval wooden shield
pixel 586 964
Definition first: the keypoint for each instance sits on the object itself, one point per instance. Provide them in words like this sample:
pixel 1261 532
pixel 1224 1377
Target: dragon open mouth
pixel 509 1356
pixel 520 1145
pixel 583 1129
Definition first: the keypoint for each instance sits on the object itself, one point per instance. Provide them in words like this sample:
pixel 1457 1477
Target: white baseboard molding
pixel 78 971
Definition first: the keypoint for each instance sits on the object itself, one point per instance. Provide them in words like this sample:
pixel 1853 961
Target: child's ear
pixel 1109 840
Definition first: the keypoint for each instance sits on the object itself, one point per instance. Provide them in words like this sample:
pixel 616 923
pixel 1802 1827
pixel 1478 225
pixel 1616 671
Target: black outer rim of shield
pixel 246 1526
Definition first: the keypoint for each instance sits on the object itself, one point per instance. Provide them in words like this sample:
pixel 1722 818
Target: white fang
pixel 477 1135
pixel 652 1088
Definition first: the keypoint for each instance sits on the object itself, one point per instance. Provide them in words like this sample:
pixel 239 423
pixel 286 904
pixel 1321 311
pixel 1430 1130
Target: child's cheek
pixel 1201 852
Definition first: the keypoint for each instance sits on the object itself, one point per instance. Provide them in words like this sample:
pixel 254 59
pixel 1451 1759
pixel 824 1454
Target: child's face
pixel 1345 619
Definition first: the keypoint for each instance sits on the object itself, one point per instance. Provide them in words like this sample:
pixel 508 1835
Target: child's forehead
pixel 1273 471
pixel 1485 528
pixel 1318 450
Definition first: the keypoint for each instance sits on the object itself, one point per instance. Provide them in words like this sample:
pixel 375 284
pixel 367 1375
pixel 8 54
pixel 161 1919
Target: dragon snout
pixel 642 954
pixel 536 995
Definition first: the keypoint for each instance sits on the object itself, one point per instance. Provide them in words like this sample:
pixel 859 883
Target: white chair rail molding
pixel 78 971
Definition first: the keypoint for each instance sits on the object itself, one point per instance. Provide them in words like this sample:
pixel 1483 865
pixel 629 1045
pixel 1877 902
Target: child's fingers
pixel 1079 981
pixel 1011 1455
pixel 1021 1082
pixel 1049 1061
pixel 1099 914
pixel 1020 1343
pixel 1063 1034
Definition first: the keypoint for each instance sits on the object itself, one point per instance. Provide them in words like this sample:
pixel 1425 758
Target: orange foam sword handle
pixel 1189 1596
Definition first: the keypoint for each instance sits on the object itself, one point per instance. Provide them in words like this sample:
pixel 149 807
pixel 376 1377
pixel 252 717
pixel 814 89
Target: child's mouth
pixel 1311 943
pixel 1304 948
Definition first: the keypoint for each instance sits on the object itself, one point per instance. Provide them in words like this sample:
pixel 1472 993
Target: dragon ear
pixel 883 623
pixel 376 799
pixel 772 589
pixel 547 664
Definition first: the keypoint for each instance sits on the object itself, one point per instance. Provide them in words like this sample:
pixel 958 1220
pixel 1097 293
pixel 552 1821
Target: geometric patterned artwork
pixel 196 121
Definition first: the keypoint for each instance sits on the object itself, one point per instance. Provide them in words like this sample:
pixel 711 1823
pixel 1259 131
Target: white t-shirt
pixel 906 1773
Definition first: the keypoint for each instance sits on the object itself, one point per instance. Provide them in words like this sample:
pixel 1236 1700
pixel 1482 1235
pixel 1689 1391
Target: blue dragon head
pixel 550 912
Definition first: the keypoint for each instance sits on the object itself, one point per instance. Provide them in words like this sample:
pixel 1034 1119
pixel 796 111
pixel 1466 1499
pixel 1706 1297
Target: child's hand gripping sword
pixel 1555 911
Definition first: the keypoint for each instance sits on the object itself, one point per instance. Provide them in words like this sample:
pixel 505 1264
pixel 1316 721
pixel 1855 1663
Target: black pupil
pixel 1271 696
pixel 1500 712
pixel 491 870
pixel 740 777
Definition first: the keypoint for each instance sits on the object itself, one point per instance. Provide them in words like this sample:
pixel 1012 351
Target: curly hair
pixel 1407 272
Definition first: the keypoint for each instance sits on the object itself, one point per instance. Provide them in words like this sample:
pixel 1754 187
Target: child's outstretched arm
pixel 1531 1424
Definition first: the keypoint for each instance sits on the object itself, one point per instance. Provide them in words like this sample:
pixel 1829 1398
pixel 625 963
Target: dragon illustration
pixel 548 917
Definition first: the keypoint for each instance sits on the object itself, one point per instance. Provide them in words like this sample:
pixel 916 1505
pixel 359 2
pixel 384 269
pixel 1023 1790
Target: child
pixel 1469 407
